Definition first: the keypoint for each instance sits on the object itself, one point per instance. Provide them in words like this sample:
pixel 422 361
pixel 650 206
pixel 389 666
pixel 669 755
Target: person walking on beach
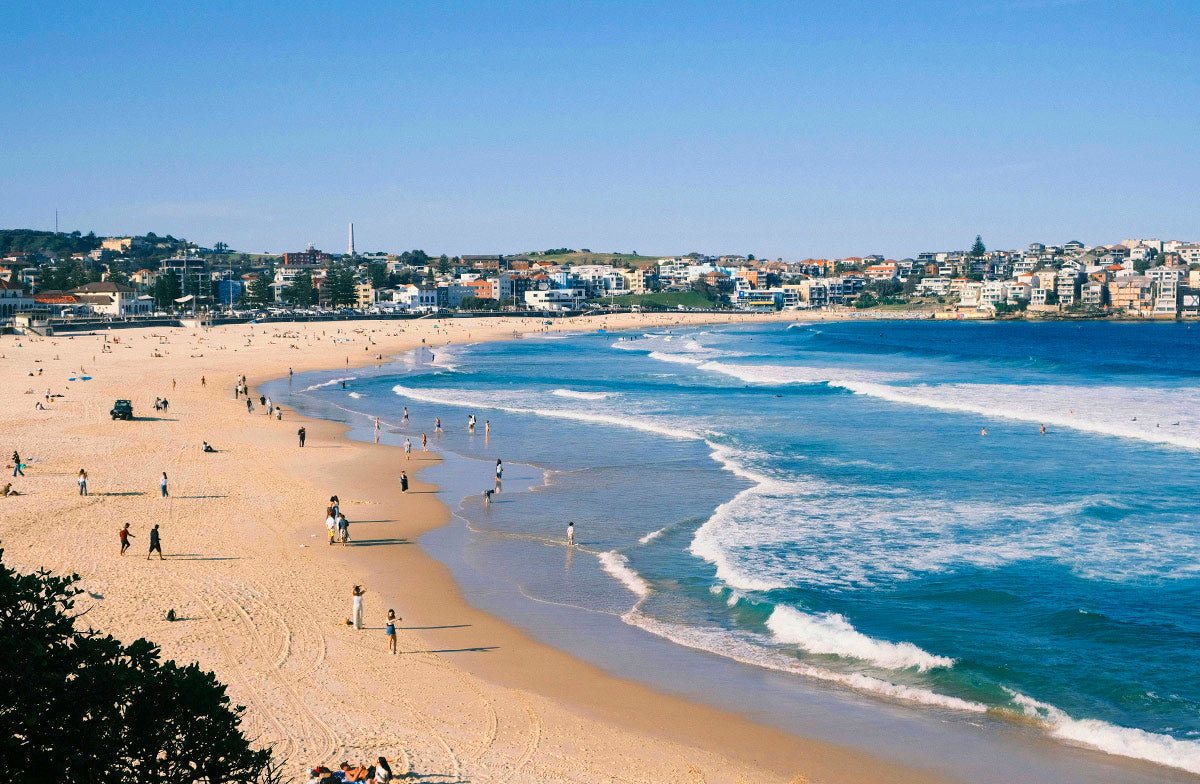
pixel 343 529
pixel 249 405
pixel 300 433
pixel 424 445
pixel 82 482
pixel 571 533
pixel 17 464
pixel 163 484
pixel 390 630
pixel 408 449
pixel 125 537
pixel 403 481
pixel 165 404
pixel 155 544
pixel 331 524
pixel 270 407
pixel 376 430
pixel 499 472
pixel 356 608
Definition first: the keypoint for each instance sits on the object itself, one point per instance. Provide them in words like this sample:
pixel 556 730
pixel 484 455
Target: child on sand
pixel 390 630
pixel 125 537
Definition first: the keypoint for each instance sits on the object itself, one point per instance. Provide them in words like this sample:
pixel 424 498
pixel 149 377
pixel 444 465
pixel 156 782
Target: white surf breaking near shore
pixel 1159 416
pixel 618 567
pixel 328 383
pixel 1111 738
pixel 453 397
pixel 747 648
pixel 650 537
pixel 831 634
pixel 576 394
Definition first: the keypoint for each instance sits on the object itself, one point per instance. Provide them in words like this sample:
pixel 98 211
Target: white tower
pixel 351 239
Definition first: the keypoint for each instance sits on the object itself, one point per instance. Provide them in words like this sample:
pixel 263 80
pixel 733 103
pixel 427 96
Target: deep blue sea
pixel 821 499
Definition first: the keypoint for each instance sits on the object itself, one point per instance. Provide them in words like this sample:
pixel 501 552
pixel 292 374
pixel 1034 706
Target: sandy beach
pixel 263 599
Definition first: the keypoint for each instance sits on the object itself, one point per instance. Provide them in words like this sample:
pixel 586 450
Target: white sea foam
pixel 1113 739
pixel 831 634
pixel 799 374
pixel 617 566
pixel 329 383
pixel 355 395
pixel 752 649
pixel 452 397
pixel 578 395
pixel 678 359
pixel 787 530
pixel 650 537
pixel 1163 416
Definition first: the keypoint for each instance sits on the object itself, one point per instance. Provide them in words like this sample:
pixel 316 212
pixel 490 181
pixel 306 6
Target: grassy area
pixel 580 257
pixel 660 299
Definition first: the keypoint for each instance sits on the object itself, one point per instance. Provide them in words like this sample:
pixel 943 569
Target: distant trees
pixel 89 708
pixel 166 291
pixel 260 291
pixel 978 248
pixel 15 242
pixel 557 251
pixel 414 258
pixel 443 265
pixel 378 273
pixel 301 293
pixel 220 247
pixel 339 286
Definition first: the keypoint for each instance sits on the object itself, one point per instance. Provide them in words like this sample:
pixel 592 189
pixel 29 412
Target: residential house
pixel 1132 294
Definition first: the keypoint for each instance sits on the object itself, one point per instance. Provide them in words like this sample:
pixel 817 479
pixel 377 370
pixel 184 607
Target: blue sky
pixel 791 129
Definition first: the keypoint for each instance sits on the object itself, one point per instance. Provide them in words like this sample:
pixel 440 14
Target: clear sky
pixel 781 129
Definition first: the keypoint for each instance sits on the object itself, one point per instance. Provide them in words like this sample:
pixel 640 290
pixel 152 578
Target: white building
pixel 555 299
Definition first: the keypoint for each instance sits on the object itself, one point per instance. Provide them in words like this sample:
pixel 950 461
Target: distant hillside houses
pixel 132 275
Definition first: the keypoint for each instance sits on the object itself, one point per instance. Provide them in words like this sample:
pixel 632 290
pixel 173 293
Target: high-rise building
pixel 351 239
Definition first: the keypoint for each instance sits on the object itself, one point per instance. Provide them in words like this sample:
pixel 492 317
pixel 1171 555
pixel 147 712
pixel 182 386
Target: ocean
pixel 820 500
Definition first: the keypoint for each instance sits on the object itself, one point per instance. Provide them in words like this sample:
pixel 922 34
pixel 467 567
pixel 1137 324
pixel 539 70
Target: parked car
pixel 122 409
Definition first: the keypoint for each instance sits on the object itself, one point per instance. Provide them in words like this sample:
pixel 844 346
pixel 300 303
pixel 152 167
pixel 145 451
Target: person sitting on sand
pixel 7 491
pixel 208 447
pixel 383 771
pixel 354 774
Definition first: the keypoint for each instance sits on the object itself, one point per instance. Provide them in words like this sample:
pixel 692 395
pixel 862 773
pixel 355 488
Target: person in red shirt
pixel 125 537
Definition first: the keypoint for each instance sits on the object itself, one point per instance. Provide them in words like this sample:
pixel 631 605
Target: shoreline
pixel 1031 752
pixel 268 627
pixel 260 600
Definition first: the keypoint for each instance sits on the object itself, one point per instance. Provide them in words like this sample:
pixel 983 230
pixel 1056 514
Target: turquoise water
pixel 820 500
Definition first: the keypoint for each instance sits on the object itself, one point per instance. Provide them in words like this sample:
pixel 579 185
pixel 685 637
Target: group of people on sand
pixel 155 541
pixel 336 522
pixel 356 617
pixel 379 773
